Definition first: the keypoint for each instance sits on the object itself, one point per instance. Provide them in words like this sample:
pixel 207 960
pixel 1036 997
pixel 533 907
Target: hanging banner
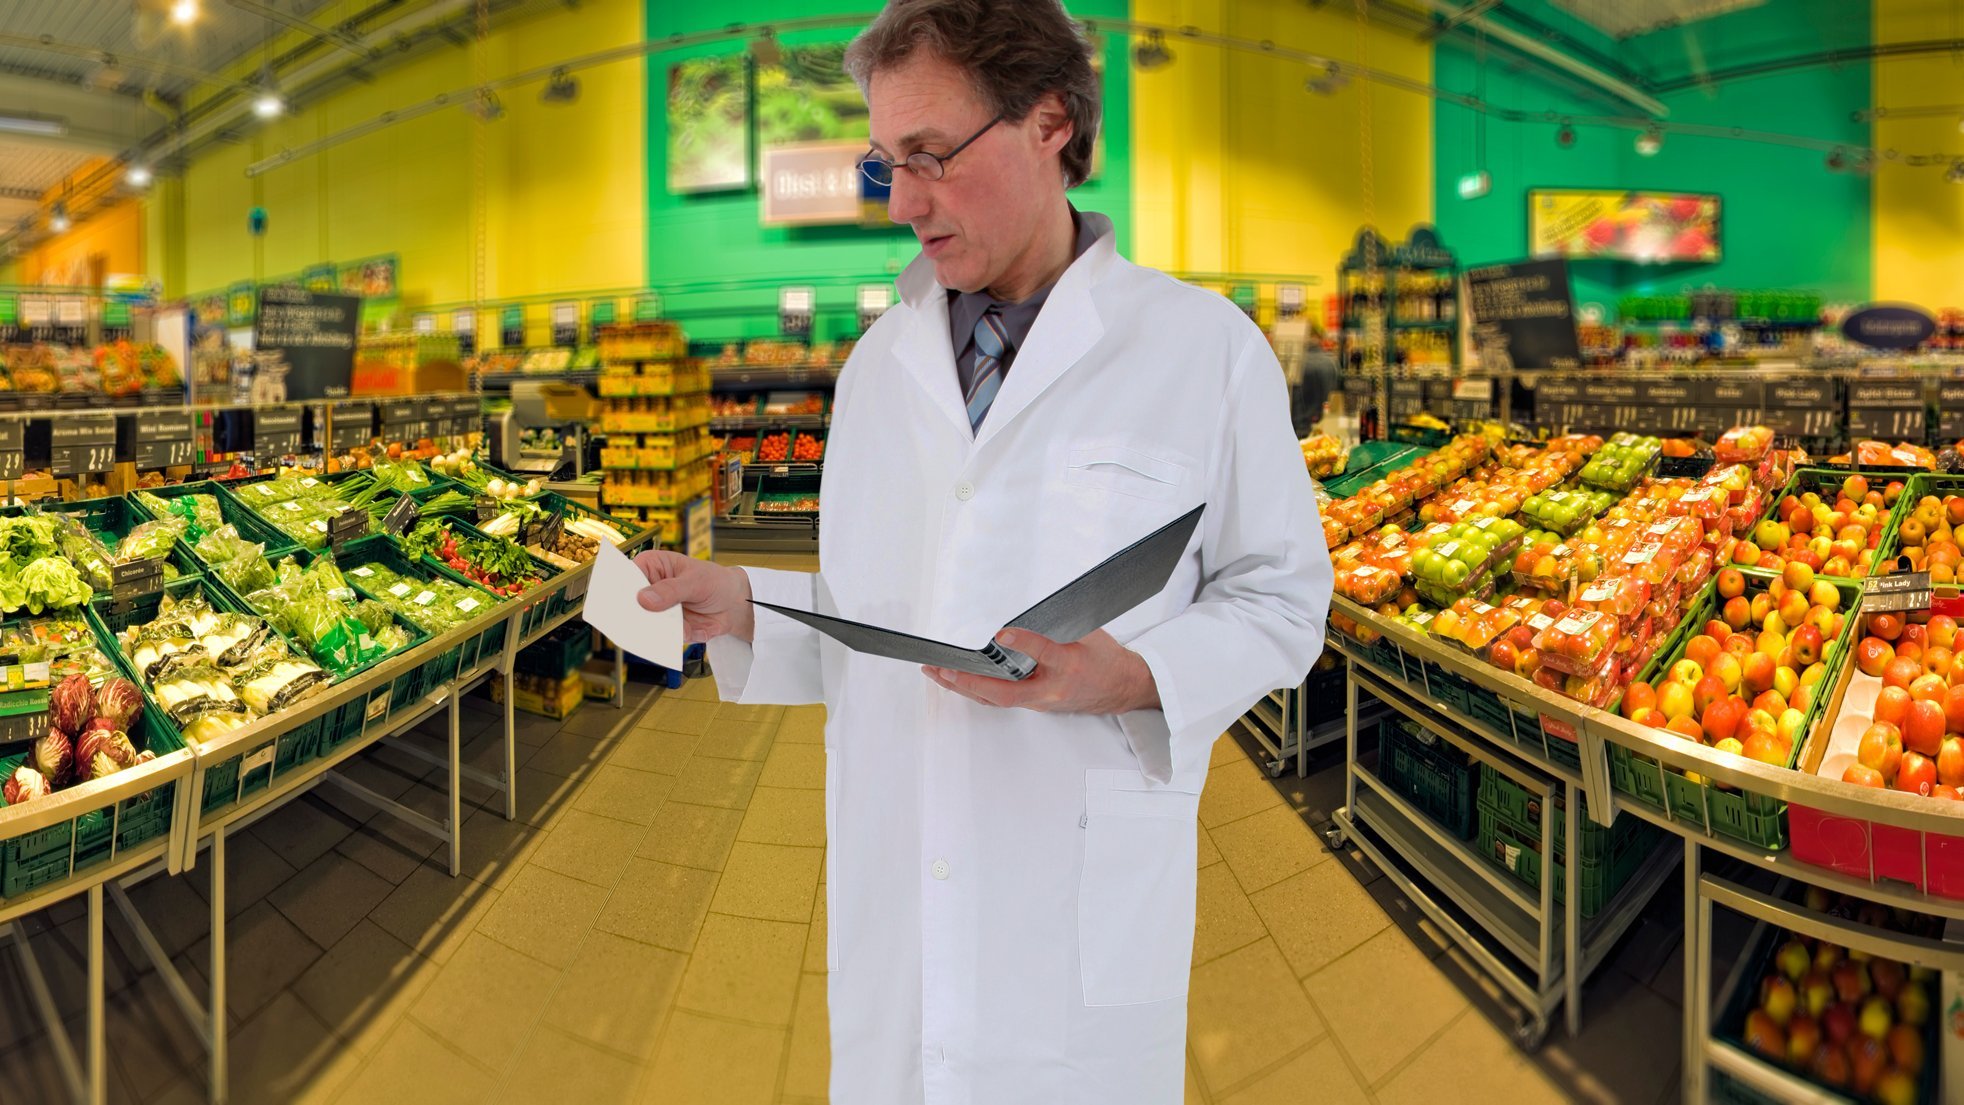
pixel 1524 316
pixel 315 333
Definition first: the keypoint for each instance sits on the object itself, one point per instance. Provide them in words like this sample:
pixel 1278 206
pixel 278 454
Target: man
pixel 1311 393
pixel 1010 866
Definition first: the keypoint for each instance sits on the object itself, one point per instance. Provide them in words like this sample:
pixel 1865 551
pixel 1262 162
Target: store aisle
pixel 653 931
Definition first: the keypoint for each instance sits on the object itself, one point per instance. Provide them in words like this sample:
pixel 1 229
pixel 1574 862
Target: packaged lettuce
pixel 151 540
pixel 200 512
pixel 434 605
pixel 84 551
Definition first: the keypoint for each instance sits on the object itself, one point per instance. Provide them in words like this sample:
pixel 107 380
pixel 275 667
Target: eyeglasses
pixel 927 166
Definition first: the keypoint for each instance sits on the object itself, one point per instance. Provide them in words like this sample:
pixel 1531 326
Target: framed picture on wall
pixel 708 124
pixel 807 98
pixel 1645 227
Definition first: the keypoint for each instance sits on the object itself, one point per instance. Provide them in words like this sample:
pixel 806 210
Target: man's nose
pixel 906 198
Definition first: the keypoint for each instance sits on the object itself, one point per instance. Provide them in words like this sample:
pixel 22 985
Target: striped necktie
pixel 992 356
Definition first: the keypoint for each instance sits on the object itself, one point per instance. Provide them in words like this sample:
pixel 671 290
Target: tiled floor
pixel 653 930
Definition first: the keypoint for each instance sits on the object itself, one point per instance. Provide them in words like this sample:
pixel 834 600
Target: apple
pixel 1892 706
pixel 1839 1021
pixel 1731 671
pixel 1730 746
pixel 1954 706
pixel 1888 977
pixel 1905 1045
pixel 1851 980
pixel 1923 729
pixel 1881 750
pixel 1896 1086
pixel 1876 1017
pixel 1737 612
pixel 1723 719
pixel 1913 1005
pixel 1687 672
pixel 1761 605
pixel 1653 717
pixel 1770 701
pixel 1764 1035
pixel 1886 626
pixel 1901 671
pixel 1917 774
pixel 1717 630
pixel 1793 608
pixel 1803 1040
pixel 1731 583
pixel 1778 998
pixel 1929 687
pixel 1943 627
pixel 1766 746
pixel 1792 723
pixel 1637 697
pixel 1863 776
pixel 1869 1059
pixel 1831 1064
pixel 1793 960
pixel 1873 654
pixel 1674 699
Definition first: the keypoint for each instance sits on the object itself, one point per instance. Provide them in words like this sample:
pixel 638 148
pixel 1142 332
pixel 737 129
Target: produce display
pixel 198 512
pixel 808 449
pixel 315 606
pixel 1323 455
pixel 1929 536
pixel 1881 454
pixel 774 448
pixel 118 368
pixel 1834 531
pixel 212 672
pixel 36 652
pixel 433 604
pixel 1902 718
pixel 1621 462
pixel 1859 1024
pixel 498 564
pixel 87 739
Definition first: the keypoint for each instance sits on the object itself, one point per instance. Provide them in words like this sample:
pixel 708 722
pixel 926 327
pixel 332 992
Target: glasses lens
pixel 925 165
pixel 877 171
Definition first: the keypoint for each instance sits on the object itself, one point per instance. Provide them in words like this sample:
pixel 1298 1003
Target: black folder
pixel 1091 601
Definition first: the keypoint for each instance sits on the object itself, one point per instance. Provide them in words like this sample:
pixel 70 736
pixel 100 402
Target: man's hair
pixel 1013 51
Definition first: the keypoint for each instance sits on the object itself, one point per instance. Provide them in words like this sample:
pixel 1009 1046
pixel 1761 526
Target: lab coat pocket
pixel 1136 894
pixel 1126 471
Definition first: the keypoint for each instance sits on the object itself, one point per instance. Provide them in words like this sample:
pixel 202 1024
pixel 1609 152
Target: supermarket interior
pixel 1596 750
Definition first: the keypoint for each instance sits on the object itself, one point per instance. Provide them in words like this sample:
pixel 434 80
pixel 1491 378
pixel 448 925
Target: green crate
pixel 304 557
pixel 1619 852
pixel 110 520
pixel 474 651
pixel 1636 776
pixel 1405 434
pixel 291 748
pixel 234 513
pixel 93 836
pixel 1757 819
pixel 552 502
pixel 541 602
pixel 1917 486
pixel 346 723
pixel 1820 479
pixel 557 654
pixel 1437 778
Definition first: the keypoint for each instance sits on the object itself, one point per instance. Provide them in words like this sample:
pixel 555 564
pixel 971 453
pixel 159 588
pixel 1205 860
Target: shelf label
pixel 131 579
pixel 511 327
pixel 423 323
pixel 275 431
pixel 1902 591
pixel 463 323
pixel 566 323
pixel 795 308
pixel 401 517
pixel 353 425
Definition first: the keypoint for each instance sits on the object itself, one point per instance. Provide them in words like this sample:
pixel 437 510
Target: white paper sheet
pixel 613 609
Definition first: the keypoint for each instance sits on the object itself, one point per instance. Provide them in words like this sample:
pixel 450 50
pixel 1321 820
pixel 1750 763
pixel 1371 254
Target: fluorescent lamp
pixel 1474 185
pixel 138 175
pixel 268 105
pixel 33 124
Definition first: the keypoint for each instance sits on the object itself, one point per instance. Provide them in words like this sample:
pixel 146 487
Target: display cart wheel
pixel 1529 1032
pixel 1275 769
pixel 1335 839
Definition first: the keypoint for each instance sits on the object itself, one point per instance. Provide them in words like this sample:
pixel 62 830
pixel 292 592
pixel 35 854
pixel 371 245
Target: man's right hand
pixel 715 600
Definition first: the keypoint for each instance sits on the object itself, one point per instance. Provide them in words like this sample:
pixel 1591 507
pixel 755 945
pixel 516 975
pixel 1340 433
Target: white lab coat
pixel 1010 894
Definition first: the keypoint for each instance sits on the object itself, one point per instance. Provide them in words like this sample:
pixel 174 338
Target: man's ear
pixel 1054 126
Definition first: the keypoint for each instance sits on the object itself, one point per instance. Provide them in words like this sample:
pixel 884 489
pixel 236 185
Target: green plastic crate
pixel 557 654
pixel 235 514
pixel 1822 480
pixel 1917 486
pixel 58 851
pixel 1437 778
pixel 468 656
pixel 1618 853
pixel 237 601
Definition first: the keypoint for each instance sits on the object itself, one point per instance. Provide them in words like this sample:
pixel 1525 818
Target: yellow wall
pixel 560 187
pixel 1918 215
pixel 1238 169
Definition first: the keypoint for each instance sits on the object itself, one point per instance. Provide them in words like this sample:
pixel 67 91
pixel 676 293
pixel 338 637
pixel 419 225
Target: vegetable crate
pixel 1894 543
pixel 361 477
pixel 54 853
pixel 111 520
pixel 558 653
pixel 1442 781
pixel 1757 819
pixel 542 602
pixel 1510 837
pixel 223 783
pixel 1828 482
pixel 418 680
pixel 235 514
pixel 554 503
pixel 476 650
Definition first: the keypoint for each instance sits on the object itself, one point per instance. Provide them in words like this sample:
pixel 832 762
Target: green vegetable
pixel 200 512
pixel 151 540
pixel 318 608
pixel 431 603
pixel 53 583
pixel 84 551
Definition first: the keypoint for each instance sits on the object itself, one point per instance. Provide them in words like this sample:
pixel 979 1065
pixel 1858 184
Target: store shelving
pixel 659 456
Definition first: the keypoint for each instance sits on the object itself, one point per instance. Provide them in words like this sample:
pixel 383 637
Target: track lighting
pixel 1565 137
pixel 138 175
pixel 184 12
pixel 1152 53
pixel 561 88
pixel 58 218
pixel 486 106
pixel 1650 141
pixel 1955 174
pixel 1837 160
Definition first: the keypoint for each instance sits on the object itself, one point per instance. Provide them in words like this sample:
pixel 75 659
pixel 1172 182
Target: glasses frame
pixel 872 166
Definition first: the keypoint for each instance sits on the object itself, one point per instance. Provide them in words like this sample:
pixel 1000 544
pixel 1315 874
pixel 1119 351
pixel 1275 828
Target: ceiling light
pixel 138 175
pixel 1474 185
pixel 561 88
pixel 1329 83
pixel 33 124
pixel 1565 137
pixel 486 106
pixel 1650 141
pixel 183 12
pixel 1152 53
pixel 1837 160
pixel 268 105
pixel 58 218
pixel 765 51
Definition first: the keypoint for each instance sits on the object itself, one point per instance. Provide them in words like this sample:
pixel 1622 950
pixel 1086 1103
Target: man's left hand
pixel 1097 675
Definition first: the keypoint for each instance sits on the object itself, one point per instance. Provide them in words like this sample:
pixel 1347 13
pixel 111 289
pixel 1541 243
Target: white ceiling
pixel 1628 18
pixel 26 167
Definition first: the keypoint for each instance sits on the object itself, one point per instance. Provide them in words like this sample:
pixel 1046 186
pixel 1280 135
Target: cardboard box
pixel 597 676
pixel 553 700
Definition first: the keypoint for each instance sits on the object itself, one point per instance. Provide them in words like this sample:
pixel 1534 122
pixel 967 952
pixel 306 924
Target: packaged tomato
pixel 1744 444
pixel 1680 534
pixel 1617 596
pixel 1578 643
pixel 1367 584
pixel 1334 532
pixel 1481 623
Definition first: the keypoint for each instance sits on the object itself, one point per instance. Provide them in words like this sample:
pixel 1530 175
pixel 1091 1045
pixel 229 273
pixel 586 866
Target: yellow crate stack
pixel 659 457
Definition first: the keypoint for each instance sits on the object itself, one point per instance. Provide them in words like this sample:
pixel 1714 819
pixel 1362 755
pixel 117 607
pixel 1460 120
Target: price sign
pixel 511 327
pixel 1950 402
pixel 647 307
pixel 599 313
pixel 1290 299
pixel 566 323
pixel 37 317
pixel 163 439
pixel 544 532
pixel 463 323
pixel 1407 398
pixel 1730 403
pixel 1807 408
pixel 9 319
pixel 795 307
pixel 82 443
pixel 352 425
pixel 423 323
pixel 401 517
pixel 275 431
pixel 132 579
pixel 487 509
pixel 347 526
pixel 1667 406
pixel 72 319
pixel 874 299
pixel 12 441
pixel 1901 591
pixel 1887 408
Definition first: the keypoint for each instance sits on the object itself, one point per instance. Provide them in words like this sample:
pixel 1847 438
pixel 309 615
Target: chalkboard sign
pixel 1902 591
pixel 132 579
pixel 1950 402
pixel 1887 408
pixel 1524 316
pixel 353 425
pixel 275 431
pixel 401 517
pixel 315 332
pixel 162 439
pixel 1667 406
pixel 82 443
pixel 1808 408
pixel 13 438
pixel 347 526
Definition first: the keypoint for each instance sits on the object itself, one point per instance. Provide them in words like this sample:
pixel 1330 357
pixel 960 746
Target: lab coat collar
pixel 1066 329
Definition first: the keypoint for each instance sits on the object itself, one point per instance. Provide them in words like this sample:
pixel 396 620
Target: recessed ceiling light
pixel 183 12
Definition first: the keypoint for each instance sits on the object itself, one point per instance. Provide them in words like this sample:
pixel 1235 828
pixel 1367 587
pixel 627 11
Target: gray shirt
pixel 965 310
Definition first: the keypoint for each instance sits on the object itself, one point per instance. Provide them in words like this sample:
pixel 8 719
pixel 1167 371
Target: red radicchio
pixel 112 743
pixel 72 703
pixel 54 757
pixel 24 785
pixel 120 701
pixel 103 764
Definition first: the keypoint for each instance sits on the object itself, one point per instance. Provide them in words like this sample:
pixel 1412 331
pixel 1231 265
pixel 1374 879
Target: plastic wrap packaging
pixel 1744 445
pixel 1578 643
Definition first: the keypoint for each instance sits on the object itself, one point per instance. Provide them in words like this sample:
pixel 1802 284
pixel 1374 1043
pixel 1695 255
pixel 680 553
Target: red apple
pixel 1917 774
pixel 1873 655
pixel 1923 729
pixel 1892 705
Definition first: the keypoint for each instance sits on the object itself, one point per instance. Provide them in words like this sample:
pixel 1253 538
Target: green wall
pixel 1787 221
pixel 706 238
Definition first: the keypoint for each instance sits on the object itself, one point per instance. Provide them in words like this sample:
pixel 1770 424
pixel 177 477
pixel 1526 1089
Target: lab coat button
pixel 940 869
pixel 964 491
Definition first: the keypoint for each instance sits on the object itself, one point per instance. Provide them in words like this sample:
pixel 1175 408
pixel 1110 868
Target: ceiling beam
pixel 1470 12
pixel 49 44
pixel 1540 50
pixel 338 39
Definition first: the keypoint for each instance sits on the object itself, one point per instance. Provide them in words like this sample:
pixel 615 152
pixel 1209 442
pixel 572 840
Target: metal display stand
pixel 1447 881
pixel 192 830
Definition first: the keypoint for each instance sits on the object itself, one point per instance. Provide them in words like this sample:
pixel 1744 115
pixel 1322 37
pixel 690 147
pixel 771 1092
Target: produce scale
pixel 1733 666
